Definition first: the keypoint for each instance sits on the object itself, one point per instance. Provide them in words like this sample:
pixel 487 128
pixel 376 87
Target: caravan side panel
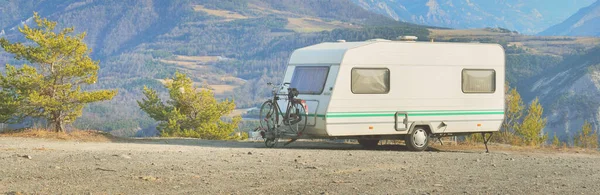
pixel 426 82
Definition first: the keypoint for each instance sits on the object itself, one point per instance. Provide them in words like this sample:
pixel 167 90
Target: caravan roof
pixel 385 52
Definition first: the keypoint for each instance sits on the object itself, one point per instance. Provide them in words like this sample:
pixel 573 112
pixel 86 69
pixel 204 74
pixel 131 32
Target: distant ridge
pixel 586 22
pixel 525 16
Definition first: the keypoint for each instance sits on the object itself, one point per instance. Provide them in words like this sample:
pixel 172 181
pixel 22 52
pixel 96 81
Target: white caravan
pixel 381 89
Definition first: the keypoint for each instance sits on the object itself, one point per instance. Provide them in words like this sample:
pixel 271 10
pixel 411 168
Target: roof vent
pixel 341 41
pixel 408 38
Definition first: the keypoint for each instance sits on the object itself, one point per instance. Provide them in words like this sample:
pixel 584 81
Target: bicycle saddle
pixel 293 92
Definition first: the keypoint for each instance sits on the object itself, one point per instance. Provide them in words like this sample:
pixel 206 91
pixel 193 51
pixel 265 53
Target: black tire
pixel 368 143
pixel 271 142
pixel 300 114
pixel 268 116
pixel 417 140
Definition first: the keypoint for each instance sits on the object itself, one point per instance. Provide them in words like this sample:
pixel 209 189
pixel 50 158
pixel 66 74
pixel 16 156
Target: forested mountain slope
pixel 232 47
pixel 570 93
pixel 235 47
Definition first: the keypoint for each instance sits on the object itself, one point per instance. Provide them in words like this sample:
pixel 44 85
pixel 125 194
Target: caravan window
pixel 370 80
pixel 309 79
pixel 478 81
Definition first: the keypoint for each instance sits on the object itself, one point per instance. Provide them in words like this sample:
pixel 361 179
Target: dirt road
pixel 180 166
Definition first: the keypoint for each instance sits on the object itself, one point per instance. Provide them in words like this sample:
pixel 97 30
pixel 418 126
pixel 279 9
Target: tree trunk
pixel 57 122
pixel 59 127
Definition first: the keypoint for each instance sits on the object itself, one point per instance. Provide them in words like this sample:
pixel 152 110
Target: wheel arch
pixel 424 124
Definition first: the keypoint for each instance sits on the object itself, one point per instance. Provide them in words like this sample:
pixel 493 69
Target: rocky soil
pixel 189 166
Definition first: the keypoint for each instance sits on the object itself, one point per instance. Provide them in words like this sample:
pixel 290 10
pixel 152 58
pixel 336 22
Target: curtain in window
pixel 370 81
pixel 309 79
pixel 479 81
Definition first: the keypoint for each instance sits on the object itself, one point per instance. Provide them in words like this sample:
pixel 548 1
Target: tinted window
pixel 478 81
pixel 309 79
pixel 370 80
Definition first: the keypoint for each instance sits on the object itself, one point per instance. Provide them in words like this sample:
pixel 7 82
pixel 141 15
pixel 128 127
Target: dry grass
pixel 77 135
pixel 220 13
pixel 307 24
pixel 184 65
pixel 216 89
pixel 301 23
pixel 222 89
pixel 191 62
pixel 202 59
pixel 234 80
pixel 513 148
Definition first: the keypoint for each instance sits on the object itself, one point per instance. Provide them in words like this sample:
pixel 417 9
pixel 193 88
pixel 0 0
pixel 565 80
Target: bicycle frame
pixel 276 103
pixel 291 118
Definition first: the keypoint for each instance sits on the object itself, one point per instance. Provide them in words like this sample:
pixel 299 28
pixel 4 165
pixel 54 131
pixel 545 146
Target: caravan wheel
pixel 417 140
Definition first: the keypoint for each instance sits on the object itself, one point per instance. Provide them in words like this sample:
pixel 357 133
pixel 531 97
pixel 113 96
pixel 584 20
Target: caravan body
pixel 384 89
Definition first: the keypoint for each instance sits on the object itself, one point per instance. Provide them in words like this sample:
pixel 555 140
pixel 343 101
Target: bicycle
pixel 293 121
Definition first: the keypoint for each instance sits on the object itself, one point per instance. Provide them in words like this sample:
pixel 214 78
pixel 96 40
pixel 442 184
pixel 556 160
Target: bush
pixel 190 112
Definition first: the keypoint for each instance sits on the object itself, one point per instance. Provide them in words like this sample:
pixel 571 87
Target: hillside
pixel 564 72
pixel 570 92
pixel 233 47
pixel 584 23
pixel 525 16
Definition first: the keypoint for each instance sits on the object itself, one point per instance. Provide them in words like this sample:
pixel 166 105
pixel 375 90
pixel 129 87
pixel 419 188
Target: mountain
pixel 525 16
pixel 584 23
pixel 570 93
pixel 233 47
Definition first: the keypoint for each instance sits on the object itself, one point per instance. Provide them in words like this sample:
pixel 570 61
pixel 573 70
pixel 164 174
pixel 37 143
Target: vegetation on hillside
pixel 512 116
pixel 51 86
pixel 142 42
pixel 531 129
pixel 519 127
pixel 586 137
pixel 190 112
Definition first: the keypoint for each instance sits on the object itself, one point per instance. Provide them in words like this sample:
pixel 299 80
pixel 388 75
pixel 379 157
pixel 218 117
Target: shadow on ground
pixel 299 145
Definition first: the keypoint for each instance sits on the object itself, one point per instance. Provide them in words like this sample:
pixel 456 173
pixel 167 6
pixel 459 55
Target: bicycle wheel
pixel 268 116
pixel 296 119
pixel 271 142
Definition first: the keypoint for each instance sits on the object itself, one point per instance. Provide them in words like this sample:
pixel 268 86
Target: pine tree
pixel 50 87
pixel 514 113
pixel 586 138
pixel 190 112
pixel 531 129
pixel 555 141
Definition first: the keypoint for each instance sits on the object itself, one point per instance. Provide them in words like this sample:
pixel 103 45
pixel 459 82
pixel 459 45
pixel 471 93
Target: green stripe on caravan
pixel 415 113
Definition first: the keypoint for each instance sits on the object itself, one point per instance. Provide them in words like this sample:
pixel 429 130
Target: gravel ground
pixel 189 166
